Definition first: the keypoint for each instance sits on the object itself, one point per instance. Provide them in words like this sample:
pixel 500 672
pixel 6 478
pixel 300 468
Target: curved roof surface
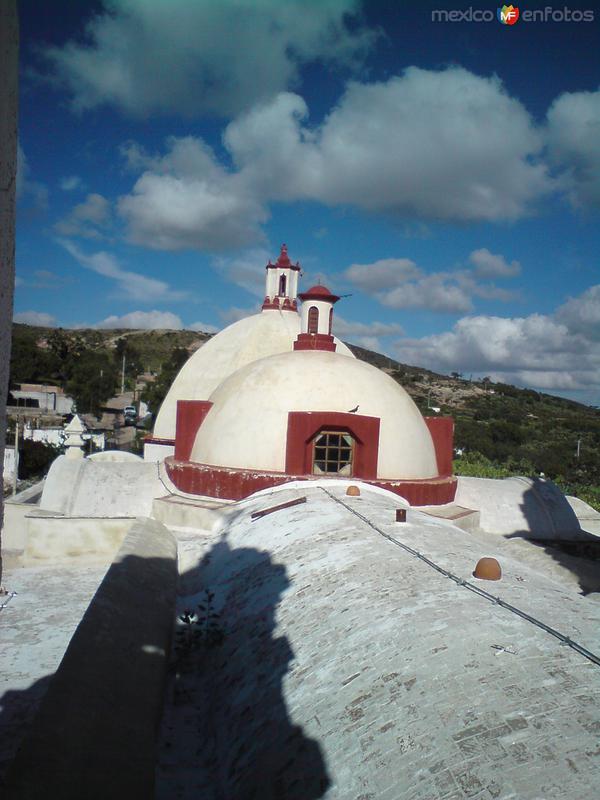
pixel 247 340
pixel 247 425
pixel 350 668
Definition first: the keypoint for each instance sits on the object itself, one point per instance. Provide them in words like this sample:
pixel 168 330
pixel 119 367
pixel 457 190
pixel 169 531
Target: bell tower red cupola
pixel 316 320
pixel 282 283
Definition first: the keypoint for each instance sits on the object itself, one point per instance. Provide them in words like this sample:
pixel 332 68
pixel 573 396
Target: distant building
pixel 46 398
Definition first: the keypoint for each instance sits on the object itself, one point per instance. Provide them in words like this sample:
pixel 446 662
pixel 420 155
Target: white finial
pixel 75 441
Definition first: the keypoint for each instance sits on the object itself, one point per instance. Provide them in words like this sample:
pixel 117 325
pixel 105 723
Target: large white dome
pixel 247 426
pixel 248 340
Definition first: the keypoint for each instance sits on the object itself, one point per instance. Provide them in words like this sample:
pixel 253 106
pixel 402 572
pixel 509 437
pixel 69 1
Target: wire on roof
pixel 566 640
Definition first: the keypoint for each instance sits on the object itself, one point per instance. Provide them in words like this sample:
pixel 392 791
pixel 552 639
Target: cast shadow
pixel 227 732
pixel 553 526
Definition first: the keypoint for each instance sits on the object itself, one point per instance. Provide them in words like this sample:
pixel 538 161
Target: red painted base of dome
pixel 235 484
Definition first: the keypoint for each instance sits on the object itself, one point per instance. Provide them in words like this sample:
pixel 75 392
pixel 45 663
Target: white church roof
pixel 351 668
pixel 247 425
pixel 245 341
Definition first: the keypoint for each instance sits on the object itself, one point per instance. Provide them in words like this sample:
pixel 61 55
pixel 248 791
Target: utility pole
pixel 123 376
pixel 578 448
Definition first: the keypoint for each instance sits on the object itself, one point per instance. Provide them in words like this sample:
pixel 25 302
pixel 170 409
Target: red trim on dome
pixel 303 426
pixel 235 484
pixel 190 416
pixel 442 433
pixel 319 293
pixel 315 341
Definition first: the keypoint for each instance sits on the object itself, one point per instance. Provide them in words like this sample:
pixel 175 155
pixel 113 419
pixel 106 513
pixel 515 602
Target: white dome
pixel 247 426
pixel 251 338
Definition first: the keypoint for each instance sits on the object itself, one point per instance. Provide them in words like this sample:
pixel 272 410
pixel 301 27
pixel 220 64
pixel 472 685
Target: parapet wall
pixel 95 733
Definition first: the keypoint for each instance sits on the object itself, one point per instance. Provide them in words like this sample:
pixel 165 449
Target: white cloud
pixel 582 314
pixel 537 350
pixel 434 292
pixel 490 265
pixel 400 283
pixel 129 285
pixel 88 219
pixel 143 320
pixel 70 182
pixel 190 57
pixel 40 318
pixel 187 200
pixel 386 273
pixel 383 148
pixel 203 327
pixel 573 133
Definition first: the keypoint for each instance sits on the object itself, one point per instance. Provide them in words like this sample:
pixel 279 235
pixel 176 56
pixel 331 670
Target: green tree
pixel 93 380
pixel 155 392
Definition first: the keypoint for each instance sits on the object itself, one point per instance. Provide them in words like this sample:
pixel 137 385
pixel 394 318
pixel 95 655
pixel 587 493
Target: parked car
pixel 130 415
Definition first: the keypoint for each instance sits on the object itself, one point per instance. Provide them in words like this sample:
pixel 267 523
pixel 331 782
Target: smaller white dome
pixel 248 424
pixel 245 341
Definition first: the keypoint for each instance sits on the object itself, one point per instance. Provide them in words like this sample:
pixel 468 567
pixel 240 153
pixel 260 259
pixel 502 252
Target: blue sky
pixel 444 175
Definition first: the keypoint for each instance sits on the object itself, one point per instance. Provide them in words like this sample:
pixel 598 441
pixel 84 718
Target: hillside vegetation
pixel 501 430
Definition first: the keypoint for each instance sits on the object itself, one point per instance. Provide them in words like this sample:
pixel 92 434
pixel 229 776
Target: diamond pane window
pixel 333 453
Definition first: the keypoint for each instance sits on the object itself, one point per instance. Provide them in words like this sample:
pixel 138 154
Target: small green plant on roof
pixel 200 628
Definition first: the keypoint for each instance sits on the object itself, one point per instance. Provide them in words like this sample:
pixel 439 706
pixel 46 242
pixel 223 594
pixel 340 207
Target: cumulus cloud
pixel 193 57
pixel 573 133
pixel 582 314
pixel 554 352
pixel 143 320
pixel 129 285
pixel 88 219
pixel 490 265
pixel 400 283
pixel 185 199
pixel 386 273
pixel 381 149
pixel 433 292
pixel 40 318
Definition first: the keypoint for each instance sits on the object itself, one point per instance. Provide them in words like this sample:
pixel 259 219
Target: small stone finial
pixel 75 441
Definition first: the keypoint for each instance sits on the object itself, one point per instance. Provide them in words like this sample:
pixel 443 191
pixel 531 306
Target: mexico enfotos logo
pixel 509 15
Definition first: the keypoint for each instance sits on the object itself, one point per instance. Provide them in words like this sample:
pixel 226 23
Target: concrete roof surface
pixel 350 668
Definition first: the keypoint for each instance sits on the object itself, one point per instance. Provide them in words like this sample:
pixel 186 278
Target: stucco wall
pixel 95 488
